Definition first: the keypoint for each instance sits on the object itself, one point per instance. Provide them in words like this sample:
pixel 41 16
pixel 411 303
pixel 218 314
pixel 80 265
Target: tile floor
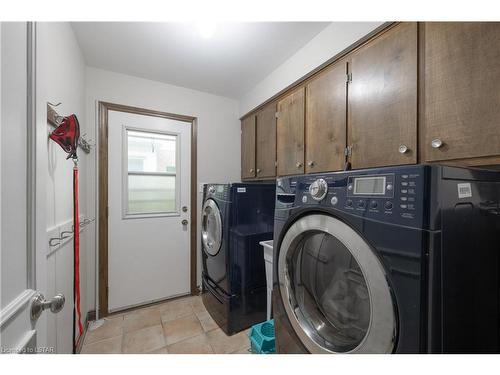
pixel 180 326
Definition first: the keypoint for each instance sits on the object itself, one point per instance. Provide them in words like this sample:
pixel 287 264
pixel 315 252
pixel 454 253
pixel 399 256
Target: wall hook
pixel 51 241
pixel 69 232
pixel 55 119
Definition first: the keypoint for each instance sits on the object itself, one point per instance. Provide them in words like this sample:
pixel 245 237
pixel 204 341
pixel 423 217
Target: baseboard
pixel 90 317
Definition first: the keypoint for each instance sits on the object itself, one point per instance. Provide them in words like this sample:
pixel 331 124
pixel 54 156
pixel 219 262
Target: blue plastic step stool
pixel 262 339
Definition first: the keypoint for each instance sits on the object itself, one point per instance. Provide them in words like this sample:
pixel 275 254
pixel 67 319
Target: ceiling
pixel 230 63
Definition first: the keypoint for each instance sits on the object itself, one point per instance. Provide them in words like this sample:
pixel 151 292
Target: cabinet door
pixel 326 120
pixel 383 99
pixel 266 142
pixel 290 133
pixel 461 90
pixel 248 147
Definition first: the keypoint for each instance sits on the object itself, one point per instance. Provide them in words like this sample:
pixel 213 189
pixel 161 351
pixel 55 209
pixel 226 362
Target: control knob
pixel 318 189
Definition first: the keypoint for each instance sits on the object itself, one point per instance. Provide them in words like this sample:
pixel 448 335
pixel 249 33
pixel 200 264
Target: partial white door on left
pixel 148 197
pixel 23 327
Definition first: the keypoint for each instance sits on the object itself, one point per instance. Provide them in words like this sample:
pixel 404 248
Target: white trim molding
pixel 18 304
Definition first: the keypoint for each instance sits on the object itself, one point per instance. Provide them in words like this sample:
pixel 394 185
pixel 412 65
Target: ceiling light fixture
pixel 206 29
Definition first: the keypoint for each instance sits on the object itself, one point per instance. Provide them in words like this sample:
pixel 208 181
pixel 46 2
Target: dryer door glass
pixel 327 288
pixel 211 227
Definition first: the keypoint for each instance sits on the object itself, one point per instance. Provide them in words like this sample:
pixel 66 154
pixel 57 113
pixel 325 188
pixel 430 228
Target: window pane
pixel 151 194
pixel 151 152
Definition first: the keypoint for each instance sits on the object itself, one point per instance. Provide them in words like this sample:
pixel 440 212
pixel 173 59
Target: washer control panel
pixel 318 189
pixel 389 194
pixel 381 186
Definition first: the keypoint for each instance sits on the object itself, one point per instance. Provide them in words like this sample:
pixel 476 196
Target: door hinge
pixel 107 212
pixel 348 77
pixel 348 151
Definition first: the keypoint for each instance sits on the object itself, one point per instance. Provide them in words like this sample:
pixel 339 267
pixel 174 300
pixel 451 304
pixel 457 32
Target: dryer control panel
pixel 394 194
pixel 217 191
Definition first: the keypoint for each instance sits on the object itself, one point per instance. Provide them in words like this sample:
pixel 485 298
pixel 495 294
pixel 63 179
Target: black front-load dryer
pixel 388 260
pixel 235 218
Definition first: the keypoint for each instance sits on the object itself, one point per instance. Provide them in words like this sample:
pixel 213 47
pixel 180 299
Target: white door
pixel 148 197
pixel 23 271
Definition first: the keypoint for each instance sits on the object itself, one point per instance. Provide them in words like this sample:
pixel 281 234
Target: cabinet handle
pixel 436 143
pixel 299 164
pixel 258 170
pixel 403 149
pixel 311 163
pixel 251 170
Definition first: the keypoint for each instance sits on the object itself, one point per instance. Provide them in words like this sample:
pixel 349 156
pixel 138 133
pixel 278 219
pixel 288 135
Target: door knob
pixel 184 208
pixel 311 163
pixel 39 304
pixel 258 170
pixel 403 149
pixel 251 170
pixel 299 164
pixel 436 143
pixel 185 222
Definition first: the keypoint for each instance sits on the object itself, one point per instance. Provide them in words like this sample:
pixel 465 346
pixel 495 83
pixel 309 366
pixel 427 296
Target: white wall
pixel 218 124
pixel 329 42
pixel 60 78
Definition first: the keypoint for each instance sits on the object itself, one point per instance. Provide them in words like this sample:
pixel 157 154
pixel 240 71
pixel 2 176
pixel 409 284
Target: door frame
pixel 103 114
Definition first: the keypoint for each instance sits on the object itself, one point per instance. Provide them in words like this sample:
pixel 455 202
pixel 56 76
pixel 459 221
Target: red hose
pixel 76 248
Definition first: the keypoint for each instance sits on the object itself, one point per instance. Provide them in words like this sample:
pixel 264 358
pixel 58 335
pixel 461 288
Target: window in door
pixel 151 180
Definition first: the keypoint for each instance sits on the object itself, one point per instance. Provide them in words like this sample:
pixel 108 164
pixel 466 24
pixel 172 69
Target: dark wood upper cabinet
pixel 382 96
pixel 461 90
pixel 248 147
pixel 326 120
pixel 290 133
pixel 438 81
pixel 266 142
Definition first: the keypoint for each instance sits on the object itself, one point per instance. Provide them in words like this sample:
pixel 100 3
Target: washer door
pixel 334 288
pixel 211 227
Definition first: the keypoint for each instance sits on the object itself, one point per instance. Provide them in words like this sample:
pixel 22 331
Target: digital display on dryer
pixel 369 186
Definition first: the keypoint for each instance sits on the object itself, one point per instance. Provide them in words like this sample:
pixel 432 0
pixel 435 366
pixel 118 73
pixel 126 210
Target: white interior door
pixel 148 197
pixel 23 272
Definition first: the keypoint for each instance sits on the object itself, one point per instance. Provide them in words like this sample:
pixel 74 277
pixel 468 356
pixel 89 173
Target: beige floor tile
pixel 138 319
pixel 221 343
pixel 206 321
pixel 195 345
pixel 143 340
pixel 159 351
pixel 111 345
pixel 243 351
pixel 181 329
pixel 175 309
pixel 197 305
pixel 112 327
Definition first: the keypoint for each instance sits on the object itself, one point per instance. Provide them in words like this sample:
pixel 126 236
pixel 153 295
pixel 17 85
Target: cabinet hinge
pixel 348 151
pixel 277 114
pixel 348 77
